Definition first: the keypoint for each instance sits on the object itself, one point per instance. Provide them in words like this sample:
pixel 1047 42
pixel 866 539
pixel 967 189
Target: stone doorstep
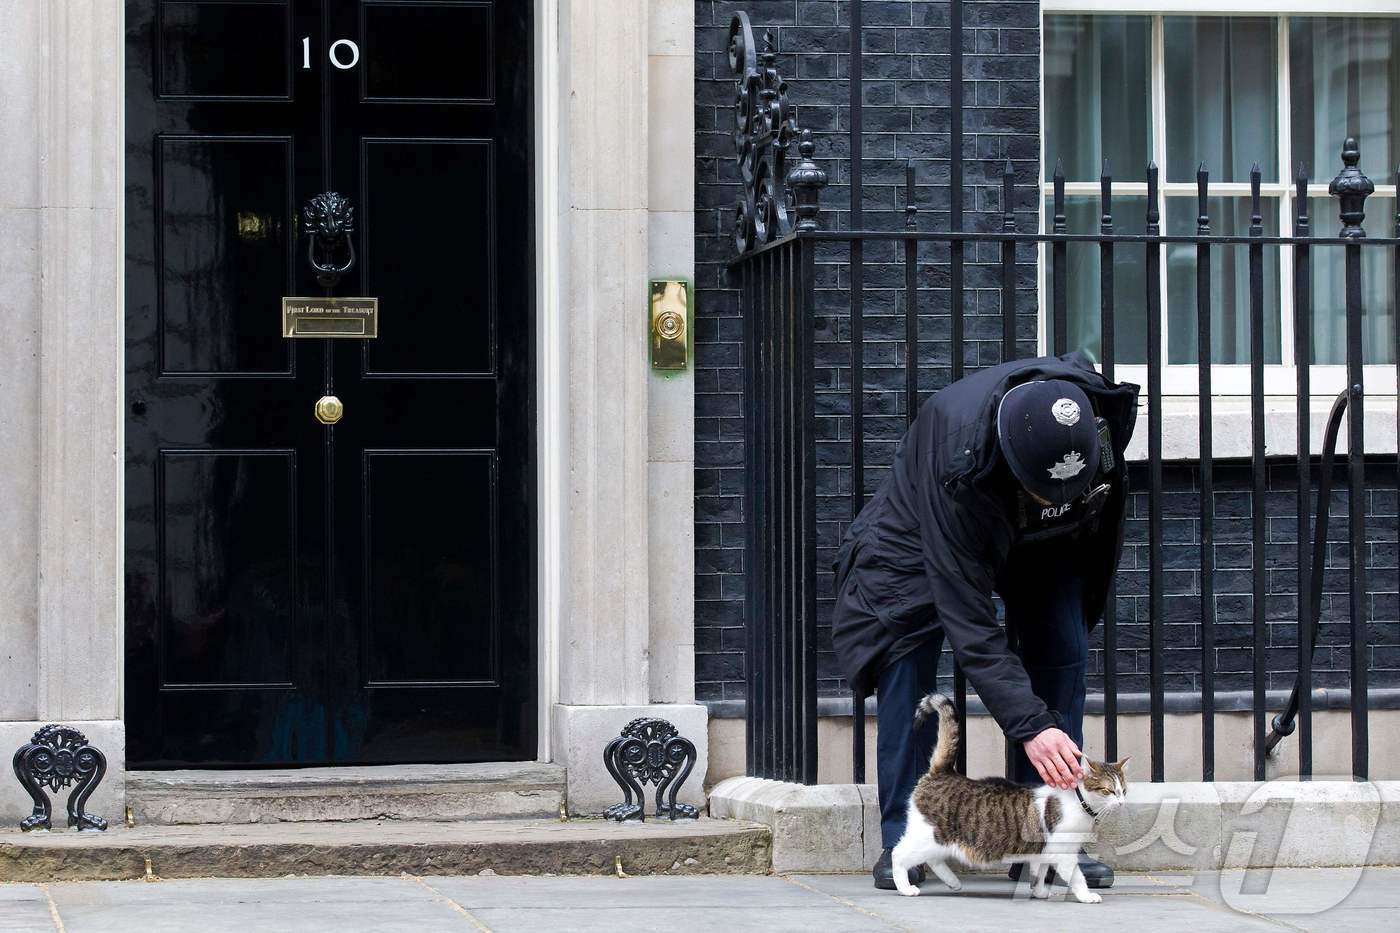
pixel 506 847
pixel 1168 826
pixel 497 790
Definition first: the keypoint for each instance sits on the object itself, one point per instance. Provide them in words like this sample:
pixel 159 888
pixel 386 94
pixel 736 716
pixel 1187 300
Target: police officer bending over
pixel 1012 481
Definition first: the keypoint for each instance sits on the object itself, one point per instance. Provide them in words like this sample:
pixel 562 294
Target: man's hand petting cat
pixel 1055 757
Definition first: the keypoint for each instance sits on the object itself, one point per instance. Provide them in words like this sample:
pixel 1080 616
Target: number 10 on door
pixel 343 54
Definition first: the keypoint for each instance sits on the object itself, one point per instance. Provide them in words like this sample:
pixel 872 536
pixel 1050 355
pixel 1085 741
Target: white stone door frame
pixel 550 366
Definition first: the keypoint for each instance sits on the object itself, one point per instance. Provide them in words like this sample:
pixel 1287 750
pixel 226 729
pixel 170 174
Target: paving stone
pixel 23 907
pixel 693 891
pixel 1144 903
pixel 649 918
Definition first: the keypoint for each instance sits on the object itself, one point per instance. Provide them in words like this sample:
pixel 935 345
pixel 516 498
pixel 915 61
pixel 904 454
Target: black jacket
pixel 927 549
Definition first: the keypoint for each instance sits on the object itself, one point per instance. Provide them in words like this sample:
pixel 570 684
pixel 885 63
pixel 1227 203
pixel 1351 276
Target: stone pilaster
pixel 603 639
pixel 671 408
pixel 61 374
pixel 81 368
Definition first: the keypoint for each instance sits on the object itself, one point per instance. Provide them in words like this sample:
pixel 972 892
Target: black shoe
pixel 883 873
pixel 1096 873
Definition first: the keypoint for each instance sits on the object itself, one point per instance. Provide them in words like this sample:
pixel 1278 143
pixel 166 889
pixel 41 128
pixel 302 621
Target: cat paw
pixel 1088 897
pixel 954 885
pixel 912 892
pixel 1041 892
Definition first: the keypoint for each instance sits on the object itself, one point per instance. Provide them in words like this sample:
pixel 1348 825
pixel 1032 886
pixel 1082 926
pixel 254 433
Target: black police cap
pixel 1047 434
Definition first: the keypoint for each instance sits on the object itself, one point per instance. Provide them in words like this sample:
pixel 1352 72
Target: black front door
pixel 298 593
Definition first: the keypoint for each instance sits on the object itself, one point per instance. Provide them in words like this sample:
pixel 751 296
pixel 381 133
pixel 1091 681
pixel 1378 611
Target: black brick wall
pixel 906 93
pixel 1234 581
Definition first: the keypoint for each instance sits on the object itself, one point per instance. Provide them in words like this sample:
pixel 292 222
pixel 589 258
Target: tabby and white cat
pixel 985 823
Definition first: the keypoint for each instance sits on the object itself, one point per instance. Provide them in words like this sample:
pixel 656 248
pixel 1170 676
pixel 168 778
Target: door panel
pixel 227 523
pixel 203 48
pixel 407 44
pixel 455 177
pixel 364 592
pixel 430 602
pixel 225 252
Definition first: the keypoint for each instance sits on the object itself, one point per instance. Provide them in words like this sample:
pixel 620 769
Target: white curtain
pixel 1098 106
pixel 1346 82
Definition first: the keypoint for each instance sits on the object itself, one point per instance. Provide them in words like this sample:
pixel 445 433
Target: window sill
pixel 1230 431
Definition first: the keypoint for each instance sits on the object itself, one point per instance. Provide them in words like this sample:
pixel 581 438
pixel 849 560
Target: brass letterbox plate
pixel 356 318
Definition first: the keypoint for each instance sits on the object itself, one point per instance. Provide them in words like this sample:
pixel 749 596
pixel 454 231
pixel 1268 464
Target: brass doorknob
pixel 329 409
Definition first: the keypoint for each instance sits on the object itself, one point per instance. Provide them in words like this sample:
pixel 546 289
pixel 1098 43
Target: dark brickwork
pixel 905 48
pixel 906 93
pixel 1234 581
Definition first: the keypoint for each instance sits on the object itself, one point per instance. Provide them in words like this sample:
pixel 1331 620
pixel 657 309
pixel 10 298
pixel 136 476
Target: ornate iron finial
pixel 805 182
pixel 764 130
pixel 1352 188
pixel 650 751
pixel 56 757
pixel 328 221
pixel 769 55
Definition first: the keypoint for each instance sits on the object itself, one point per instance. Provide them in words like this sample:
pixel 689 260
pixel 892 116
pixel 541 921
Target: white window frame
pixel 1280 379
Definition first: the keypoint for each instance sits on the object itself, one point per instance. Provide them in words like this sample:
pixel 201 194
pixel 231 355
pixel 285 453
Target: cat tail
pixel 945 752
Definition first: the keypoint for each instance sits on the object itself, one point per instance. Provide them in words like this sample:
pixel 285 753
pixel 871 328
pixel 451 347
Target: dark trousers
pixel 1045 616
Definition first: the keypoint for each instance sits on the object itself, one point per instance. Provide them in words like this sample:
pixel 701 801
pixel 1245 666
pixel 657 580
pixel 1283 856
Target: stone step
pixel 500 790
pixel 505 847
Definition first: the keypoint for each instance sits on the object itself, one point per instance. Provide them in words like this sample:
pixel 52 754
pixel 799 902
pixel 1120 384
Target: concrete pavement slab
pixel 990 902
pixel 649 918
pixel 1352 920
pixel 220 891
pixel 23 907
pixel 1208 902
pixel 692 891
pixel 303 905
pixel 1288 893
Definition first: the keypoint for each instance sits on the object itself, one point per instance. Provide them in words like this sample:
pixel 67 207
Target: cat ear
pixel 1122 762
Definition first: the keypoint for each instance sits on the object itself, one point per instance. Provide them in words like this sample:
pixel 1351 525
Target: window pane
pixel 1345 81
pixel 1098 95
pixel 1129 281
pixel 1229 287
pixel 1329 333
pixel 1222 97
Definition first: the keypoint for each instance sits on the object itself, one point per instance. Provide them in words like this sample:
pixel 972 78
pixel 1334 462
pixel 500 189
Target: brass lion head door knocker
pixel 328 221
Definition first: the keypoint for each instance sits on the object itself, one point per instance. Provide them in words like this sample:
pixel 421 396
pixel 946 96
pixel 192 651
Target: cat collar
pixel 1085 804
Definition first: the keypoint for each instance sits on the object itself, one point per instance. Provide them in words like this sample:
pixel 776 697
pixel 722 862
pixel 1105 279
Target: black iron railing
pixel 778 241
